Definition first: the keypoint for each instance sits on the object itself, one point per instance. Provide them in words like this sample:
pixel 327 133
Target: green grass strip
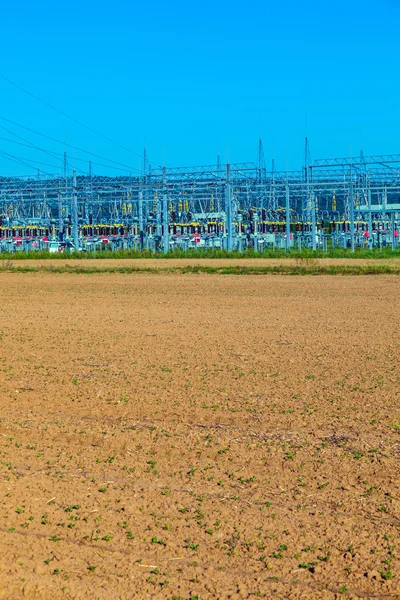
pixel 210 270
pixel 376 253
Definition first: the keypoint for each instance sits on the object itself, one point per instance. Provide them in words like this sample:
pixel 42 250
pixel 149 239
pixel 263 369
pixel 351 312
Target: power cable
pixel 70 145
pixel 21 161
pixel 69 117
pixel 22 158
pixel 29 145
pixel 32 145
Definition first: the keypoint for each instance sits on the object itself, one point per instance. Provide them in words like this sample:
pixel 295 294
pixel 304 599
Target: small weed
pixel 155 540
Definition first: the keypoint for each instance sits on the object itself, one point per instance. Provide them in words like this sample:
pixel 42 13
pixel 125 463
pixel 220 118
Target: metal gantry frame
pixel 232 206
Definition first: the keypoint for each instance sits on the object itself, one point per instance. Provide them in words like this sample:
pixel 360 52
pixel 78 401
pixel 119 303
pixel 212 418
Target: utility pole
pixel 393 230
pixel 146 179
pixel 370 238
pixel 141 235
pixel 75 227
pixel 228 207
pixel 287 220
pixel 165 213
pixel 352 214
pixel 60 217
pixel 313 223
pixel 307 181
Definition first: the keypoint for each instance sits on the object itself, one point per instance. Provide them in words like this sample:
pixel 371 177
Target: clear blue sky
pixel 197 79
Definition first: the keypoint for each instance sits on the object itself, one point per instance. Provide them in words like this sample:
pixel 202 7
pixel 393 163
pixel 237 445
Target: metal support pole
pixel 313 223
pixel 165 213
pixel 158 217
pixel 141 234
pixel 158 214
pixel 228 208
pixel 393 238
pixel 352 217
pixel 60 218
pixel 287 220
pixel 75 227
pixel 240 237
pixel 370 238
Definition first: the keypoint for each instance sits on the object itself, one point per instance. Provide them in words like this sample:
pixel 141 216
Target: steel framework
pixel 240 202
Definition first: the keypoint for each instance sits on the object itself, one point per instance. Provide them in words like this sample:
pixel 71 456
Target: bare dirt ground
pixel 196 436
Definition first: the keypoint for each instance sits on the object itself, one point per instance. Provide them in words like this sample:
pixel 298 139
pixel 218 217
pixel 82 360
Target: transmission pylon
pixel 261 169
pixel 363 178
pixel 307 171
pixel 146 162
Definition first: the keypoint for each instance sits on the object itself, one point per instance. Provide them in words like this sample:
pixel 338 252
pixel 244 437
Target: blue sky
pixel 193 80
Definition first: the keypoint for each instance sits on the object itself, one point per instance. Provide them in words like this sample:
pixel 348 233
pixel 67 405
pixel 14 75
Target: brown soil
pixel 200 436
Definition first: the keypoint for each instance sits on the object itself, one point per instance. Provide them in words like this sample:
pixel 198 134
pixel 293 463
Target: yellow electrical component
pixel 124 208
pixel 334 202
pixel 212 202
pixel 130 208
pixel 186 206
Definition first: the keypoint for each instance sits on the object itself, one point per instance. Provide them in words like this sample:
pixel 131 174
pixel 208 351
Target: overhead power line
pixel 61 154
pixel 32 145
pixel 27 161
pixel 70 145
pixel 21 161
pixel 64 114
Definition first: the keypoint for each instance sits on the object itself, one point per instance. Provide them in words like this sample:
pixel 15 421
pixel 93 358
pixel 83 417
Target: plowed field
pixel 199 436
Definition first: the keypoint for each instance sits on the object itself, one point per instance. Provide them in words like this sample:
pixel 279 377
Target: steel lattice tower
pixel 262 171
pixel 306 208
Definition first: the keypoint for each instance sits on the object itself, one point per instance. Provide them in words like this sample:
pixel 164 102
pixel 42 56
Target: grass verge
pixel 376 253
pixel 298 269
